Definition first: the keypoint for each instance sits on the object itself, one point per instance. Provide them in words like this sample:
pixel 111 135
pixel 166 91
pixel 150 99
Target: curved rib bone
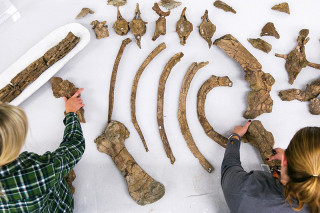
pixel 150 57
pixel 211 83
pixel 161 88
pixel 183 117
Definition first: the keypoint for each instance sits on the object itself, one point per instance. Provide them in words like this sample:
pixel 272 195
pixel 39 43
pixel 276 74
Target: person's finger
pixel 65 99
pixel 246 126
pixel 77 93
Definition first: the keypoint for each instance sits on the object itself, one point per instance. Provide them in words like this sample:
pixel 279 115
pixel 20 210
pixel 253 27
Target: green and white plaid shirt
pixel 35 183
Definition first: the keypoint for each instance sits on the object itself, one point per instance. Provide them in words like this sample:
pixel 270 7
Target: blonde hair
pixel 303 169
pixel 13 132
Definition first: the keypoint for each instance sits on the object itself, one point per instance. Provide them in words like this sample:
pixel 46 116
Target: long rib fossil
pixel 206 87
pixel 114 76
pixel 183 117
pixel 162 82
pixel 150 57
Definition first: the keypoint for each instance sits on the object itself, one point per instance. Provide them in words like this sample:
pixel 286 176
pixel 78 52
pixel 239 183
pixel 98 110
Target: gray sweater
pixel 255 191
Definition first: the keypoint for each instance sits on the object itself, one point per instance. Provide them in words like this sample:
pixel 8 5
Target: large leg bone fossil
pixel 150 57
pixel 259 100
pixel 114 76
pixel 211 83
pixel 161 88
pixel 183 117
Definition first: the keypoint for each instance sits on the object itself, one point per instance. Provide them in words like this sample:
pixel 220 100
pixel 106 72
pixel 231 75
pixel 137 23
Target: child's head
pixel 13 132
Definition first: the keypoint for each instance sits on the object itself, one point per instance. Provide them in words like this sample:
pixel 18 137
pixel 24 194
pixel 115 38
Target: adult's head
pixel 302 158
pixel 13 132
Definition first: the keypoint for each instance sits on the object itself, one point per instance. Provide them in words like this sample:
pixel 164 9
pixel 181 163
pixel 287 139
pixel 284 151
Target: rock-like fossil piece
pixel 263 140
pixel 85 11
pixel 145 63
pixel 117 3
pixel 71 176
pixel 222 5
pixel 182 117
pixel 184 27
pixel 208 85
pixel 207 29
pixel 100 28
pixel 161 88
pixel 314 106
pixel 259 100
pixel 296 60
pixel 260 44
pixel 312 91
pixel 269 30
pixel 114 76
pixel 283 7
pixel 161 24
pixel 169 4
pixel 121 26
pixel 36 68
pixel 138 26
pixel 142 187
pixel 64 88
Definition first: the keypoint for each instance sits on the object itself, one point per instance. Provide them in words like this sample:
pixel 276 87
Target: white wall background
pixel 189 188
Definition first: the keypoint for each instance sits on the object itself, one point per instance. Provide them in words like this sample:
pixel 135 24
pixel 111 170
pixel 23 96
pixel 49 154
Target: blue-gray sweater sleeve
pixel 233 176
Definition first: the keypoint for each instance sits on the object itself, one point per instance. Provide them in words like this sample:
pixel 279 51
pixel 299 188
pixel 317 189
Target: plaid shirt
pixel 35 183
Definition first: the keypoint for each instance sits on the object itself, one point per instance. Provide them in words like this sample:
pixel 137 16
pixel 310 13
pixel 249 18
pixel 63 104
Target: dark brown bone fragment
pixel 208 85
pixel 314 106
pixel 269 30
pixel 114 76
pixel 224 6
pixel 312 91
pixel 169 4
pixel 283 7
pixel 263 140
pixel 71 176
pixel 207 29
pixel 161 27
pixel 259 100
pixel 85 11
pixel 117 3
pixel 138 26
pixel 64 88
pixel 36 68
pixel 142 187
pixel 184 27
pixel 100 28
pixel 161 88
pixel 296 60
pixel 145 63
pixel 121 26
pixel 260 44
pixel 182 117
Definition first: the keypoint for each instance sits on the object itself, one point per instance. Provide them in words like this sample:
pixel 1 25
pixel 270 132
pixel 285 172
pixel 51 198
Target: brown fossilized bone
pixel 184 27
pixel 138 26
pixel 207 29
pixel 64 88
pixel 121 26
pixel 260 44
pixel 296 60
pixel 161 88
pixel 269 30
pixel 142 187
pixel 117 3
pixel 114 76
pixel 259 100
pixel 224 6
pixel 161 24
pixel 283 7
pixel 182 117
pixel 85 11
pixel 263 140
pixel 206 87
pixel 145 63
pixel 169 4
pixel 100 28
pixel 314 106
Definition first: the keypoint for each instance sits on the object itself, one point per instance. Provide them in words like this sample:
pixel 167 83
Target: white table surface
pixel 189 188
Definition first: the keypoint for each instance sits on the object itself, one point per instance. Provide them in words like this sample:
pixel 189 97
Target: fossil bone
pixel 138 26
pixel 224 6
pixel 100 28
pixel 184 27
pixel 161 88
pixel 260 44
pixel 85 11
pixel 207 29
pixel 161 27
pixel 117 3
pixel 314 106
pixel 121 26
pixel 269 30
pixel 283 7
pixel 169 4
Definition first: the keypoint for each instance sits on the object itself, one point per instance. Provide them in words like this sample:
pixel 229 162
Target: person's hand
pixel 74 103
pixel 278 152
pixel 241 130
